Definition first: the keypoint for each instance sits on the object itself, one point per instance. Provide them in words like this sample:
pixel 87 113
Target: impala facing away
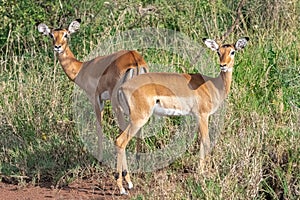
pixel 169 94
pixel 98 76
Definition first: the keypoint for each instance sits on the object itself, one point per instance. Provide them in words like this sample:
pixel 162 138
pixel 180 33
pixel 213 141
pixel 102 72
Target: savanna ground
pixel 257 152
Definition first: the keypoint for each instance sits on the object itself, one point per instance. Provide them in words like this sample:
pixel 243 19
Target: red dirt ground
pixel 79 189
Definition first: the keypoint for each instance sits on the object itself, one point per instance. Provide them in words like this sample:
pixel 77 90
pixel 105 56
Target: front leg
pixel 204 136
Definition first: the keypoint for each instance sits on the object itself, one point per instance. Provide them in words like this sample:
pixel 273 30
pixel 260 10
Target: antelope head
pixel 226 52
pixel 60 36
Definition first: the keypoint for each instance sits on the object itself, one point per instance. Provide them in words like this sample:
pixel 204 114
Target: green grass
pixel 257 153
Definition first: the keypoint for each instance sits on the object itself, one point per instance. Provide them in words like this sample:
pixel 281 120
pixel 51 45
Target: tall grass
pixel 257 153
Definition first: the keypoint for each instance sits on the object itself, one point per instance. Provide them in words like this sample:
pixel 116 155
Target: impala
pixel 98 76
pixel 169 94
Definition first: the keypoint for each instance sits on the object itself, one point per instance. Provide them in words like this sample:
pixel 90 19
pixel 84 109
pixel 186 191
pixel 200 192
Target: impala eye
pixel 51 35
pixel 232 53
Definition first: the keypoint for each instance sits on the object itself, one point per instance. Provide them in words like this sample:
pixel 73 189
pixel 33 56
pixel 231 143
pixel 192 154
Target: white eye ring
pixel 232 53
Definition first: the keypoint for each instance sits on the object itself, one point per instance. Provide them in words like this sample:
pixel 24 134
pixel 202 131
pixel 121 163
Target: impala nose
pixel 58 48
pixel 223 67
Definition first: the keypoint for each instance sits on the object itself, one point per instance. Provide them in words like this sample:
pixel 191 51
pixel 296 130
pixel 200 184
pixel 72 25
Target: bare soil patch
pixel 90 188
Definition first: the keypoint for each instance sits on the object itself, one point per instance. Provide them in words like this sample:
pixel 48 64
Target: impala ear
pixel 211 44
pixel 74 26
pixel 241 43
pixel 43 28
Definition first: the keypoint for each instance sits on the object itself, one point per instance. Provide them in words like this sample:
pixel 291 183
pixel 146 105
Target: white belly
pixel 158 110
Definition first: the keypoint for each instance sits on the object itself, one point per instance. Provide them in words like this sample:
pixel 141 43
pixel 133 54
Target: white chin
pixel 58 51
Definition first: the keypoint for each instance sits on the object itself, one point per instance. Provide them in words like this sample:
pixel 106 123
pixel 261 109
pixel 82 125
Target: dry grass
pixel 257 153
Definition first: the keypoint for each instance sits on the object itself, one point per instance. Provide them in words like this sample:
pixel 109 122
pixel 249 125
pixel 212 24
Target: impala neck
pixel 69 63
pixel 226 78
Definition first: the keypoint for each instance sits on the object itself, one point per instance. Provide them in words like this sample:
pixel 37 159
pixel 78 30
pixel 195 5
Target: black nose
pixel 57 46
pixel 222 65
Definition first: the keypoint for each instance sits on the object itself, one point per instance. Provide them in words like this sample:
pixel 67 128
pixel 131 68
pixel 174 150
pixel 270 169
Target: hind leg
pixel 99 112
pixel 121 143
pixel 122 166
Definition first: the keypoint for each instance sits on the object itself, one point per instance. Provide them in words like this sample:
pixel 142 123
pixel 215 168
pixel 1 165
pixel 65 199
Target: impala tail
pixel 122 102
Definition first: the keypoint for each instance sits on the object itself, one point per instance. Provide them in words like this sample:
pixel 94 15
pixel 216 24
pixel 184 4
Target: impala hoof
pixel 124 173
pixel 123 192
pixel 116 175
pixel 130 185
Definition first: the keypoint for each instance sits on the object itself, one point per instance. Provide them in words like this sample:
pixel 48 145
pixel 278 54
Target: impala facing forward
pixel 96 77
pixel 170 94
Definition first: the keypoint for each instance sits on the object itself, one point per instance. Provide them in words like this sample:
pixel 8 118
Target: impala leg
pixel 100 143
pixel 204 137
pixel 99 114
pixel 119 178
pixel 125 172
pixel 122 168
pixel 138 145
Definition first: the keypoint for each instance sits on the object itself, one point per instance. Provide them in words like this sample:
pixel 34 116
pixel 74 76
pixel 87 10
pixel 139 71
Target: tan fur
pixel 96 76
pixel 173 94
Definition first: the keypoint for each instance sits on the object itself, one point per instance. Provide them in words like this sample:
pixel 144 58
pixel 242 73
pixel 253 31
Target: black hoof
pixel 124 173
pixel 116 175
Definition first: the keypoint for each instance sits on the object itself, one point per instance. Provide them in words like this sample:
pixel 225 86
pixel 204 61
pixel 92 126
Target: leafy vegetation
pixel 256 155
